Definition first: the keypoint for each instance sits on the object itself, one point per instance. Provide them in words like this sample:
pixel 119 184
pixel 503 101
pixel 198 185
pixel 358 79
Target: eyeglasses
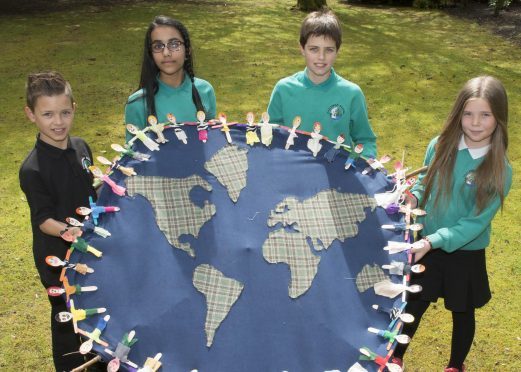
pixel 172 45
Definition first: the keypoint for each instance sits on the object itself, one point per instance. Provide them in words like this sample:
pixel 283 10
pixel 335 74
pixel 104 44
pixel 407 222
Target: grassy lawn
pixel 409 63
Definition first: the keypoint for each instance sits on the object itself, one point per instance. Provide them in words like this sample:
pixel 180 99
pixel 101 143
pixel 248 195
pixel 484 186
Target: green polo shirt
pixel 454 223
pixel 338 104
pixel 168 99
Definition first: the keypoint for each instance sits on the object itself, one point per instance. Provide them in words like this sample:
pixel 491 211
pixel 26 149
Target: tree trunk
pixel 498 5
pixel 311 5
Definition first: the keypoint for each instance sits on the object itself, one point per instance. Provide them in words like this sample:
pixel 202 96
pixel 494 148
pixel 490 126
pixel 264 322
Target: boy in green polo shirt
pixel 318 93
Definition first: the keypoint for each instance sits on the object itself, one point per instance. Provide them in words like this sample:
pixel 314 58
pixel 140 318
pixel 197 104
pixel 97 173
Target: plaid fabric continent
pixel 229 166
pixel 220 292
pixel 369 276
pixel 175 213
pixel 292 249
pixel 327 216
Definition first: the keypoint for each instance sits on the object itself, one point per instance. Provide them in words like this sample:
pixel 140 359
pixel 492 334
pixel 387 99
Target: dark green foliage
pixel 311 5
pixel 499 5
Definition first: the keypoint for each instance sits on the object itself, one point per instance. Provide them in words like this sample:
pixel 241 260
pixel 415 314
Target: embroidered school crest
pixel 86 163
pixel 470 178
pixel 335 111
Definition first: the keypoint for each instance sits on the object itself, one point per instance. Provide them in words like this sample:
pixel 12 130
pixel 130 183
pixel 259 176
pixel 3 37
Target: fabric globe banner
pixel 239 257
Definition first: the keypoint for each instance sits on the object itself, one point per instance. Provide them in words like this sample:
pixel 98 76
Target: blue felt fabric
pixel 146 284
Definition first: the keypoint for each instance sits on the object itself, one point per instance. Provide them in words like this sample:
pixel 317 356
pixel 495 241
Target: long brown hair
pixel 490 175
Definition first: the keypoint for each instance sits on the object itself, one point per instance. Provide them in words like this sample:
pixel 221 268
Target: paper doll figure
pixel 79 243
pixel 202 127
pixel 88 226
pixel 389 289
pixel 140 135
pixel 391 336
pixel 129 152
pixel 401 268
pixel 395 313
pixel 75 289
pixel 391 208
pixel 127 171
pixel 394 196
pixel 157 129
pixel 353 156
pixel 55 291
pixel 402 226
pixel 77 315
pixel 293 132
pixel 411 213
pixel 224 126
pixel 397 247
pixel 95 335
pixel 95 210
pixel 151 364
pixel 103 160
pixel 69 290
pixel 367 354
pixel 415 212
pixel 180 133
pixel 331 154
pixel 116 189
pixel 400 189
pixel 357 367
pixel 375 165
pixel 266 129
pixel 400 172
pixel 78 267
pixel 63 317
pixel 121 353
pixel 314 142
pixel 251 130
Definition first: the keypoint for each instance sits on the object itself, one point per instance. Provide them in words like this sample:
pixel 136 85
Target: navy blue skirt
pixel 459 277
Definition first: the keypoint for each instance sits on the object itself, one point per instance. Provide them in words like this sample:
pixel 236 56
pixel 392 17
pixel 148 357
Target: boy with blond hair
pixel 56 180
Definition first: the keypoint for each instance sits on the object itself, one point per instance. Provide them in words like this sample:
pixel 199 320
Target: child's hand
pixel 421 249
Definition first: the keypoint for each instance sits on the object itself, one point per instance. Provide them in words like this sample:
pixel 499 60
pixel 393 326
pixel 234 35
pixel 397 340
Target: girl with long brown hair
pixel 467 180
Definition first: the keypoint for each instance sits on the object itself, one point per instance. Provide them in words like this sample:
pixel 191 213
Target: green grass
pixel 409 63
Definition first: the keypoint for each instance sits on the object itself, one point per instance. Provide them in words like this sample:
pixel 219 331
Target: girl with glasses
pixel 167 83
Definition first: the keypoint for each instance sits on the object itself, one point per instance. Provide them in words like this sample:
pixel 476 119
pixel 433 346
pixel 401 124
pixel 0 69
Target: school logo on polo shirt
pixel 470 178
pixel 335 111
pixel 86 163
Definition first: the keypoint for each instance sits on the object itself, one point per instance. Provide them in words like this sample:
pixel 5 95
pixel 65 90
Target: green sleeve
pixel 207 94
pixel 419 188
pixel 275 108
pixel 212 104
pixel 360 128
pixel 135 112
pixel 468 227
